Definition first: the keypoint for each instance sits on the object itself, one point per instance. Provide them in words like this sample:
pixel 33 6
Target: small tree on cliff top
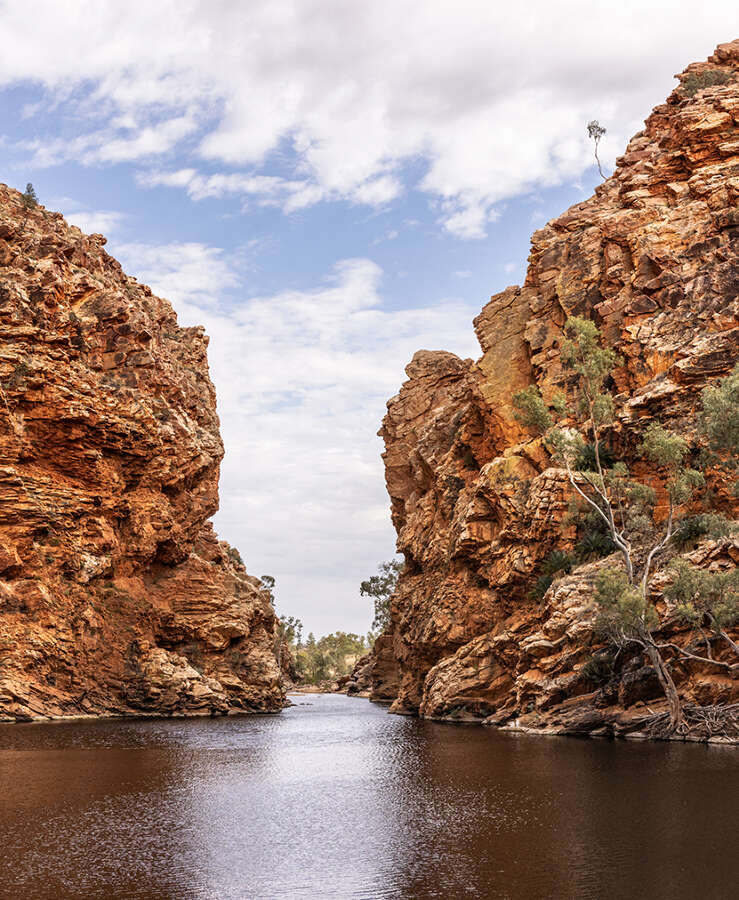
pixel 30 199
pixel 625 505
pixel 596 132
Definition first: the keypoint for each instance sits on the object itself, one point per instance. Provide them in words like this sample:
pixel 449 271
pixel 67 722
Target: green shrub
pixel 594 545
pixel 694 82
pixel 541 586
pixel 599 668
pixel 585 460
pixel 556 564
pixel 557 561
pixel 694 528
pixel 235 556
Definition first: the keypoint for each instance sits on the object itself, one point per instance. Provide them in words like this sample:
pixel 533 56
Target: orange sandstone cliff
pixel 116 597
pixel 653 257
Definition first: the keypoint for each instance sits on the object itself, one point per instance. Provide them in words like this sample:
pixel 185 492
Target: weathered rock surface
pixel 115 595
pixel 653 257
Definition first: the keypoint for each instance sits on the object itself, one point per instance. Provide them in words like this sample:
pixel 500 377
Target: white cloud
pixel 492 101
pixel 100 221
pixel 302 378
pixel 191 275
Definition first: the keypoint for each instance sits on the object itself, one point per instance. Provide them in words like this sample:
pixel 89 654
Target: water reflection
pixel 335 798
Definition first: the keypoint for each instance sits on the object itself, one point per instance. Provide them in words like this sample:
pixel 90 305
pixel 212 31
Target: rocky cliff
pixel 116 597
pixel 653 258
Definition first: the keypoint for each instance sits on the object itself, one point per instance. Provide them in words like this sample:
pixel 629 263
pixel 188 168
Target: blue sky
pixel 327 186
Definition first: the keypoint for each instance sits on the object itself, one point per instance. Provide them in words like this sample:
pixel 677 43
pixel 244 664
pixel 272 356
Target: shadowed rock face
pixel 653 258
pixel 116 597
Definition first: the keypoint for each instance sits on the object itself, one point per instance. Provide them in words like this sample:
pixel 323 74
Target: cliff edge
pixel 116 597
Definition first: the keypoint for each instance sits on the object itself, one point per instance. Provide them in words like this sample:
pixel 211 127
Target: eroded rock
pixel 653 258
pixel 115 595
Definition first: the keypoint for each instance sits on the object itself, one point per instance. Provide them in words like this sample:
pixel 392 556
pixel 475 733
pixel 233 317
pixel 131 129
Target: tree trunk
pixel 734 646
pixel 668 686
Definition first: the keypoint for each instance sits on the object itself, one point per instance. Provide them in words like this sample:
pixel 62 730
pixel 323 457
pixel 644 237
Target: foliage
pixel 599 668
pixel 315 661
pixel 30 200
pixel 557 562
pixel 624 506
pixel 290 631
pixel 531 410
pixel 380 587
pixel 705 525
pixel 699 594
pixel 585 461
pixel 720 420
pixel 595 132
pixel 625 613
pixel 329 657
pixel 267 583
pixel 541 586
pixel 234 555
pixel 696 81
pixel 594 545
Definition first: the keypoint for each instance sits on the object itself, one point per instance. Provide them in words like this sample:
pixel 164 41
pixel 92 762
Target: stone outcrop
pixel 116 597
pixel 653 258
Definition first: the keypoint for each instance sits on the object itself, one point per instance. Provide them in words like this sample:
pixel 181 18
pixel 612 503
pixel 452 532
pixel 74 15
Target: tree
pixel 30 200
pixel 624 505
pixel 720 422
pixel 290 630
pixel 595 132
pixel 700 596
pixel 381 587
pixel 330 657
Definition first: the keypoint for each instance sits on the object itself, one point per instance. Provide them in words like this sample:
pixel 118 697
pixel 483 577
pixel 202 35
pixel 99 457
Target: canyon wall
pixel 653 258
pixel 116 597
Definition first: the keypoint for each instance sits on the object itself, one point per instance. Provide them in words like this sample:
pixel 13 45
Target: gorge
pixel 116 597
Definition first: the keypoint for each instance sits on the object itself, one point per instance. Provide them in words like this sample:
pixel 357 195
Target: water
pixel 336 798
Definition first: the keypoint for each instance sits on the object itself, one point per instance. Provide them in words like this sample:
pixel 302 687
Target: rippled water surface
pixel 336 798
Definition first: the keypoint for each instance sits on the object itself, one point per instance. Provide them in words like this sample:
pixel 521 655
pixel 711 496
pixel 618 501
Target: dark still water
pixel 336 798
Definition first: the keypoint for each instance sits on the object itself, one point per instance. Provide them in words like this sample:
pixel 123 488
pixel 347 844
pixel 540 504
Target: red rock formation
pixel 115 595
pixel 653 257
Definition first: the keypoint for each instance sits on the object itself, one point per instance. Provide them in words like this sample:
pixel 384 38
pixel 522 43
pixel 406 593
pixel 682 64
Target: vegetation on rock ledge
pixel 628 507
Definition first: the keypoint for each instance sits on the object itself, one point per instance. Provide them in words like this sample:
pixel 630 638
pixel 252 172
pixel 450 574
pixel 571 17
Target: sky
pixel 327 186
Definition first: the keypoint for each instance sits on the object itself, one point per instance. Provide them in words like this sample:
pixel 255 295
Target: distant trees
pixel 380 587
pixel 624 505
pixel 329 657
pixel 313 661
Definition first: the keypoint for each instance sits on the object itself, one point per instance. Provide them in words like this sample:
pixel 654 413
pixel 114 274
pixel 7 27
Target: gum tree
pixel 380 587
pixel 595 132
pixel 625 505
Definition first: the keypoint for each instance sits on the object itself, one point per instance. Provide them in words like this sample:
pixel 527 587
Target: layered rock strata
pixel 653 258
pixel 116 597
